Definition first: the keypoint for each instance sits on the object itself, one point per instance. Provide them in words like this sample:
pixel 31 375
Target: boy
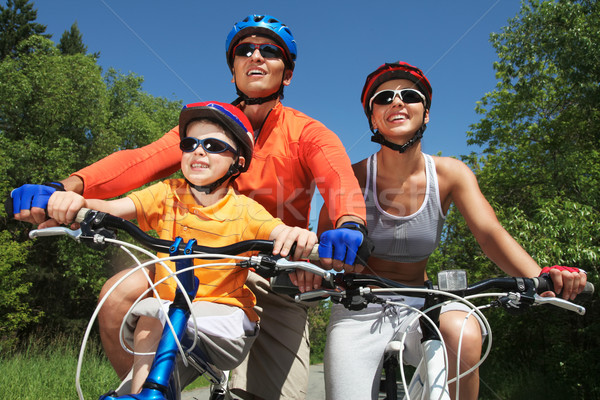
pixel 217 146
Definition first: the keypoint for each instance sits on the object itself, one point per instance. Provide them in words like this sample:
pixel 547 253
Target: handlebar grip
pixel 544 284
pixel 314 254
pixel 81 214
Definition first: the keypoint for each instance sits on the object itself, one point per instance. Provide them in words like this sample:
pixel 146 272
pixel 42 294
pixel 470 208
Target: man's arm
pixel 112 176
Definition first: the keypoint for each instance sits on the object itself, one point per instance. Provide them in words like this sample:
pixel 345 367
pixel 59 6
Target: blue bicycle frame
pixel 159 384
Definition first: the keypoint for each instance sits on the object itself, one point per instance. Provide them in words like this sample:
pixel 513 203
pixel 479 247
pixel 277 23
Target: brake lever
pixel 562 303
pixel 55 231
pixel 314 294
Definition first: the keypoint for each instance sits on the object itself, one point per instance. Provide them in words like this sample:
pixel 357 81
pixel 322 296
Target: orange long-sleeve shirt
pixel 293 154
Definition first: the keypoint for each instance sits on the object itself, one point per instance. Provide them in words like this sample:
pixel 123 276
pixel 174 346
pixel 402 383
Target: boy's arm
pixel 64 206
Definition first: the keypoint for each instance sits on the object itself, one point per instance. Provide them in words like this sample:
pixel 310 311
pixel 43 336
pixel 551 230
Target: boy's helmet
pixel 263 25
pixel 232 119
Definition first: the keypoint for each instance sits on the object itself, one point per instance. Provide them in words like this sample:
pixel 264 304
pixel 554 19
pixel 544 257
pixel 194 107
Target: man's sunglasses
pixel 267 50
pixel 387 96
pixel 210 145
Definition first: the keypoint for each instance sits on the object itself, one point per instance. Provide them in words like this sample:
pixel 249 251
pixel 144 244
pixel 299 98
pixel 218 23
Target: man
pixel 292 154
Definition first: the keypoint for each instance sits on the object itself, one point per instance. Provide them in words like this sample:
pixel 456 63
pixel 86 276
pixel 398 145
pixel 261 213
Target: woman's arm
pixel 481 219
pixel 494 240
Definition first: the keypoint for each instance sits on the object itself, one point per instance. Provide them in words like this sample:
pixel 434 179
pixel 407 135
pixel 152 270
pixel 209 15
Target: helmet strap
pixel 259 100
pixel 232 173
pixel 401 148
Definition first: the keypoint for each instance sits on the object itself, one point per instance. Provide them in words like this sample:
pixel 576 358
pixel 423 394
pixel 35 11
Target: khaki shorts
pixel 278 362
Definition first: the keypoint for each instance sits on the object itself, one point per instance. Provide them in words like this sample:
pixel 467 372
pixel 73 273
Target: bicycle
pixel 351 290
pixel 430 379
pixel 97 230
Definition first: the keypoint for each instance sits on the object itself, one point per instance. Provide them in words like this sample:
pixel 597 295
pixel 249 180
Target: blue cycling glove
pixel 349 243
pixel 27 196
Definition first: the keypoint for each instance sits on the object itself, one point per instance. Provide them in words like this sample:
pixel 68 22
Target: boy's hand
pixel 285 237
pixel 305 280
pixel 64 206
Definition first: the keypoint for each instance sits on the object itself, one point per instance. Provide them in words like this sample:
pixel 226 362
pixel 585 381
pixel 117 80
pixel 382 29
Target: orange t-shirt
pixel 293 154
pixel 169 208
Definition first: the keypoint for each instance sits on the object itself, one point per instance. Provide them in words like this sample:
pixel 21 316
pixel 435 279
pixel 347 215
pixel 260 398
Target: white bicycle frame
pixel 430 379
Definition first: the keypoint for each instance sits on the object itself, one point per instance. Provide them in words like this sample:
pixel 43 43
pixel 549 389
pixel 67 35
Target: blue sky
pixel 179 49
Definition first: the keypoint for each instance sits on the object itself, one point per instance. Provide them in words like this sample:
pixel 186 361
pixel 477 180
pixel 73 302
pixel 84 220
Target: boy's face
pixel 256 75
pixel 201 167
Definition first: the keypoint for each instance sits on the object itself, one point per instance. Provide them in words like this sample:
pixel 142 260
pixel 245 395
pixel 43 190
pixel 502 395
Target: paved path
pixel 316 387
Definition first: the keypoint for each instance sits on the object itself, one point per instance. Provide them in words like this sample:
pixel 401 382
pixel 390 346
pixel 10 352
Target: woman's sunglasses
pixel 267 50
pixel 387 96
pixel 210 145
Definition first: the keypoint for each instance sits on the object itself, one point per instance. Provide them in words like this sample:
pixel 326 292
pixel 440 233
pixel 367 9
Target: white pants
pixel 356 342
pixel 225 334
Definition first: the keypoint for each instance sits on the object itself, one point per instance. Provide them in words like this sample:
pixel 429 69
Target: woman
pixel 408 194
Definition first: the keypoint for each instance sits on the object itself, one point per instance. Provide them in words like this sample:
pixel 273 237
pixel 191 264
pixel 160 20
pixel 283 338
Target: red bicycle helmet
pixel 231 117
pixel 390 71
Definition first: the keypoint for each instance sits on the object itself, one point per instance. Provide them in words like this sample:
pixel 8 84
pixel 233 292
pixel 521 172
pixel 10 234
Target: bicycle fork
pixel 430 378
pixel 158 384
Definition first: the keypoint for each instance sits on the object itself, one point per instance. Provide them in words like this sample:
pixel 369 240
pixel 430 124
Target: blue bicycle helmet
pixel 264 25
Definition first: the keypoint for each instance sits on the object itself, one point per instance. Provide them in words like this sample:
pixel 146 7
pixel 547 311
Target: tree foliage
pixel 540 169
pixel 17 22
pixel 71 42
pixel 59 113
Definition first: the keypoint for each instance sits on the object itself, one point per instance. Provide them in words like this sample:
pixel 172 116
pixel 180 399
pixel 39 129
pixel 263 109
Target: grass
pixel 39 370
pixel 46 369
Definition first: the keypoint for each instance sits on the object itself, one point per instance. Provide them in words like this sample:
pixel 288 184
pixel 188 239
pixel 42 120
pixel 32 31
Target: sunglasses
pixel 210 145
pixel 387 96
pixel 267 50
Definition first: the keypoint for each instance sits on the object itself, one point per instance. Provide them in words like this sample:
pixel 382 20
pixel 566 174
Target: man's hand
pixel 29 202
pixel 345 248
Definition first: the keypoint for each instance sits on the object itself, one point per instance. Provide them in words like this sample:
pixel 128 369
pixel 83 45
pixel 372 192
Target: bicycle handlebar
pixel 93 221
pixel 356 291
pixel 95 227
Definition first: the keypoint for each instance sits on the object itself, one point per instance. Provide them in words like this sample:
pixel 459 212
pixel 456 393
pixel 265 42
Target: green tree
pixel 17 22
pixel 58 115
pixel 541 130
pixel 540 169
pixel 71 42
pixel 318 319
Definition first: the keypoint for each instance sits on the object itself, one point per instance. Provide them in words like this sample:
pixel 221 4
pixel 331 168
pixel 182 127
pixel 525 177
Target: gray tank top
pixel 409 238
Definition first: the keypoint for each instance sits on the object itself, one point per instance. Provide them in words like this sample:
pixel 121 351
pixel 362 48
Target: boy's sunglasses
pixel 267 50
pixel 387 96
pixel 210 145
